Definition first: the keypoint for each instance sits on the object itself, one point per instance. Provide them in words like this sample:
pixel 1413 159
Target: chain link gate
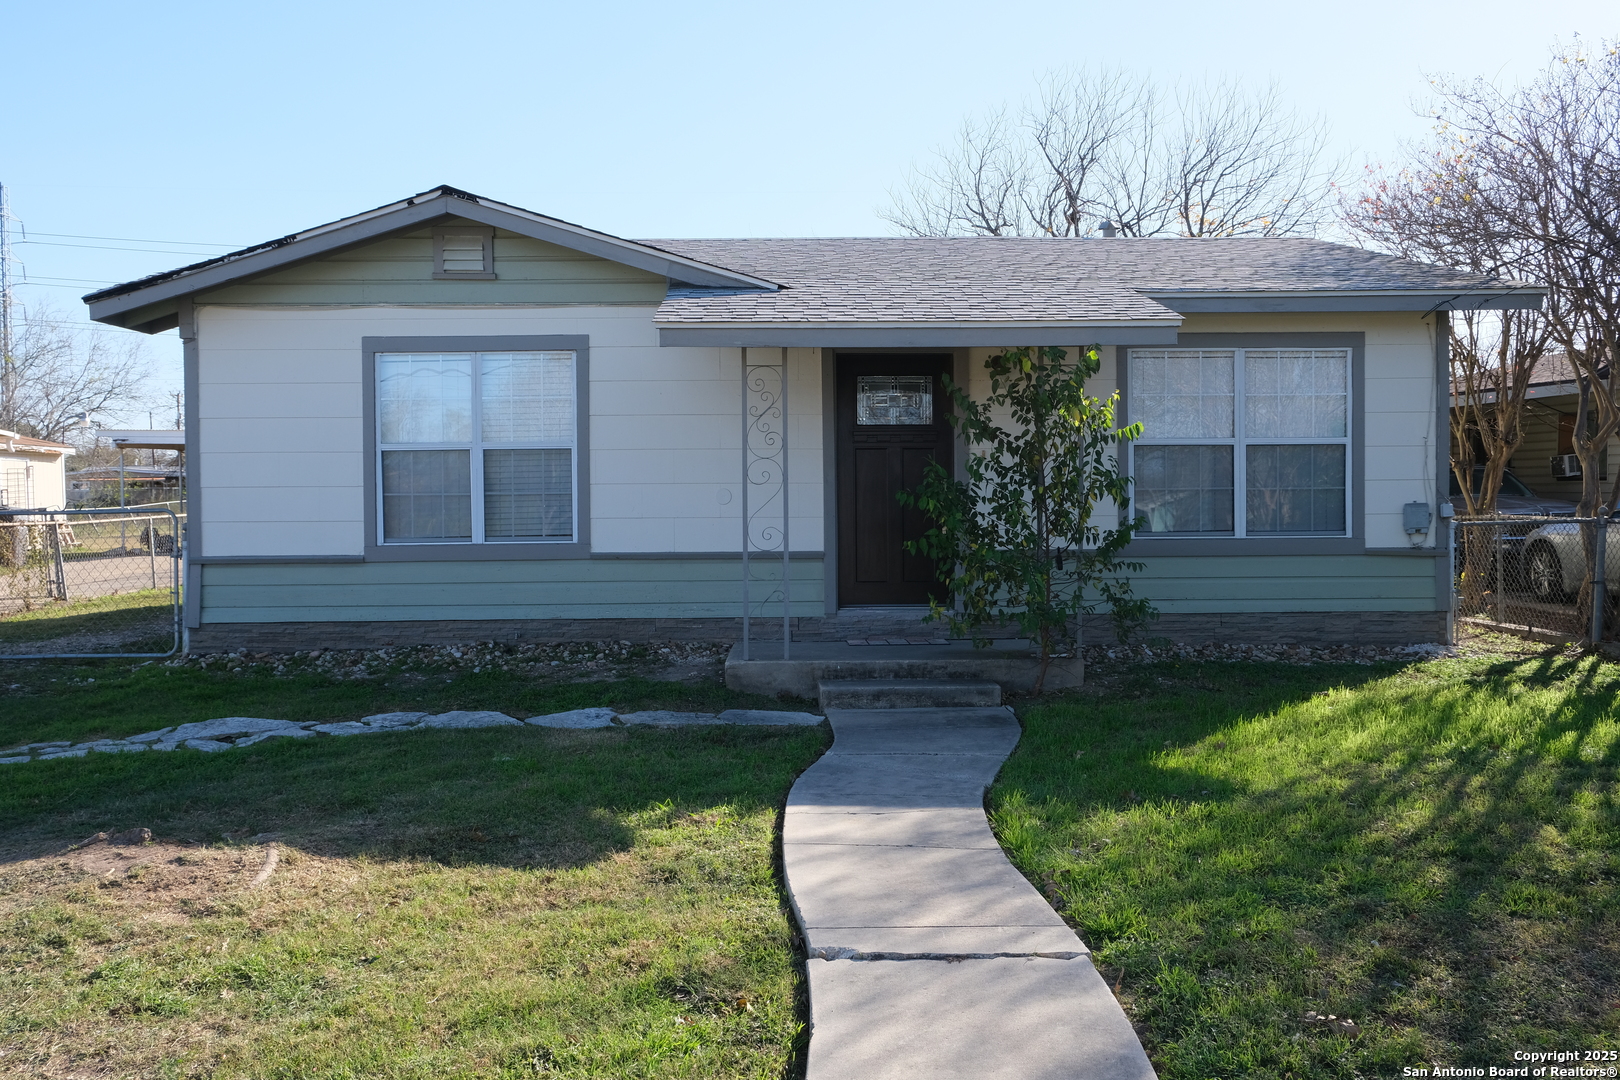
pixel 89 583
pixel 1556 575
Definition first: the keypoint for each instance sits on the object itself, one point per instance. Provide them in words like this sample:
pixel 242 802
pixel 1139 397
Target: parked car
pixel 1555 560
pixel 1514 498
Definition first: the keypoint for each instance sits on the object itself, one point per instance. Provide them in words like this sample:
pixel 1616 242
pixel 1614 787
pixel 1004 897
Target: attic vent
pixel 464 252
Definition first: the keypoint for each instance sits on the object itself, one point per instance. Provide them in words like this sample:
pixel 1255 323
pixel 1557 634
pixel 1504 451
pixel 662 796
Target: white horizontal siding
pixel 280 422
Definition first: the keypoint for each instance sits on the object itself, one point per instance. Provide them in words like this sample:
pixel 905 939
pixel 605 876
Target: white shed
pixel 33 473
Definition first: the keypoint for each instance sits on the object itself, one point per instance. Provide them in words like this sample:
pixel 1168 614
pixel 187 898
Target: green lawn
pixel 502 902
pixel 148 613
pixel 1431 852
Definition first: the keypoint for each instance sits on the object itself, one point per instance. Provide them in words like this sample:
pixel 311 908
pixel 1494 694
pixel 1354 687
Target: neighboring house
pixel 128 481
pixel 32 473
pixel 133 485
pixel 450 419
pixel 1545 461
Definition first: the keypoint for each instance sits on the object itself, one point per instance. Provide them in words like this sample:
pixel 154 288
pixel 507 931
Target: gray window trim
pixel 484 231
pixel 503 552
pixel 1356 542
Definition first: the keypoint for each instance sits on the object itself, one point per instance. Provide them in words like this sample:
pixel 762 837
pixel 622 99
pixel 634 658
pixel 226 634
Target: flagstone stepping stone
pixel 668 718
pixel 212 736
pixel 349 727
pixel 576 718
pixel 392 720
pixel 150 736
pixel 768 717
pixel 307 733
pixel 226 727
pixel 464 719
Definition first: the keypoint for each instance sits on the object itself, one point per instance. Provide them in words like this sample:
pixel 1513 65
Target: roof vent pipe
pixel 1107 228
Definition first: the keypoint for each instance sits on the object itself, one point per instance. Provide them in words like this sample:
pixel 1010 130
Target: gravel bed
pixel 561 659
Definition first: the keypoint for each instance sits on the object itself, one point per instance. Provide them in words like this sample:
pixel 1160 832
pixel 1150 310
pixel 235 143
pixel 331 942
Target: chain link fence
pixel 83 583
pixel 1556 575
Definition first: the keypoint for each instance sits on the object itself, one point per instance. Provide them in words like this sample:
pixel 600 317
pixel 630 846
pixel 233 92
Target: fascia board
pixel 301 247
pixel 374 225
pixel 1404 300
pixel 825 335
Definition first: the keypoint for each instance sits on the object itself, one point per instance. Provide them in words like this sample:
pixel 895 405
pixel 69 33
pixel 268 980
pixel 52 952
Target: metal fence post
pixel 1600 592
pixel 1497 556
pixel 1451 608
pixel 151 547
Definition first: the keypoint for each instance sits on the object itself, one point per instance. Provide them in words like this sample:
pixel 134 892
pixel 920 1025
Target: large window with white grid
pixel 1241 442
pixel 477 447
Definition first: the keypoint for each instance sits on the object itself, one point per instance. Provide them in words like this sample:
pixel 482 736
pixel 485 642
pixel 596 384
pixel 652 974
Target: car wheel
pixel 1546 574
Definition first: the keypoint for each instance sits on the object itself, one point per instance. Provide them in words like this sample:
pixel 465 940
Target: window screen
pixel 1273 424
pixel 476 447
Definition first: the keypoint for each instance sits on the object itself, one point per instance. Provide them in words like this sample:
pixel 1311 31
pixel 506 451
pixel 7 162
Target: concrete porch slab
pixel 1009 663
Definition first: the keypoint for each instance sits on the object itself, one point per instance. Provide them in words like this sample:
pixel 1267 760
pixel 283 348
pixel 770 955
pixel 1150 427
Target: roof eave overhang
pixel 1424 300
pixel 897 336
pixel 144 307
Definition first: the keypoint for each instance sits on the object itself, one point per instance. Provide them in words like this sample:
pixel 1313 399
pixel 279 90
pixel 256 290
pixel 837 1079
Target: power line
pixel 104 247
pixel 135 240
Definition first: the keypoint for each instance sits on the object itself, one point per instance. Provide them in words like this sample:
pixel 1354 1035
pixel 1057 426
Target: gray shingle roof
pixel 983 300
pixel 983 279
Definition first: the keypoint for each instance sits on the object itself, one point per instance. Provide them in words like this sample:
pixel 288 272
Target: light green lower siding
pixel 1289 583
pixel 541 589
pixel 710 588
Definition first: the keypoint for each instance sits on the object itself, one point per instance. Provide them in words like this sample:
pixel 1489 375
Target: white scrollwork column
pixel 765 482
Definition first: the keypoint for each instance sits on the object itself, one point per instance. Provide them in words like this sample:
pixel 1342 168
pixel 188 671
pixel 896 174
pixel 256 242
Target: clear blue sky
pixel 228 124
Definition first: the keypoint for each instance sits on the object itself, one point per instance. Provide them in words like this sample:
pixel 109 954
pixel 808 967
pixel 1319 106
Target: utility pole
pixel 8 370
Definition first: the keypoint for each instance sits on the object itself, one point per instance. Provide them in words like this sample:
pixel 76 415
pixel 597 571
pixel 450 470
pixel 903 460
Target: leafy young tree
pixel 1016 539
pixel 1208 160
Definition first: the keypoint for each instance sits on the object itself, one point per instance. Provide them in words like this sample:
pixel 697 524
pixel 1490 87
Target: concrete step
pixel 907 693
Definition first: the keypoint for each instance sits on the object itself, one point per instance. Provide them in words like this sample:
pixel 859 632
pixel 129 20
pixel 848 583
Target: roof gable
pixel 151 304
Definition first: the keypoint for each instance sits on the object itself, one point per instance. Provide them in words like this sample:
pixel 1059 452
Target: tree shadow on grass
pixel 1431 853
pixel 514 797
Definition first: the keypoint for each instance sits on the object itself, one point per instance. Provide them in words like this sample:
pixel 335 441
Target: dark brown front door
pixel 891 423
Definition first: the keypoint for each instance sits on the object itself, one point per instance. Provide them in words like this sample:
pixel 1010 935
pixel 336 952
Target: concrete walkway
pixel 930 956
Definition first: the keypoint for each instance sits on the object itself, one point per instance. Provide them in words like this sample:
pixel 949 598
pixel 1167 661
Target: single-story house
pixel 450 418
pixel 32 472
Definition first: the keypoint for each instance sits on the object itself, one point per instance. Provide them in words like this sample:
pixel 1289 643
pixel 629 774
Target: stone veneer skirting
pixel 1250 628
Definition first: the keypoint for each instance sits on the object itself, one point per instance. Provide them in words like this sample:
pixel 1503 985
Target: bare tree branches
pixel 59 376
pixel 1419 214
pixel 1537 171
pixel 1103 146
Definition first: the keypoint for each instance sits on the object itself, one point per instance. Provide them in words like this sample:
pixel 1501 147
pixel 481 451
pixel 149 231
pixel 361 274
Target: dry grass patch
pixel 511 902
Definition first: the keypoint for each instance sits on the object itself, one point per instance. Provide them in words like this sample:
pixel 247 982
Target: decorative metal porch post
pixel 765 481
